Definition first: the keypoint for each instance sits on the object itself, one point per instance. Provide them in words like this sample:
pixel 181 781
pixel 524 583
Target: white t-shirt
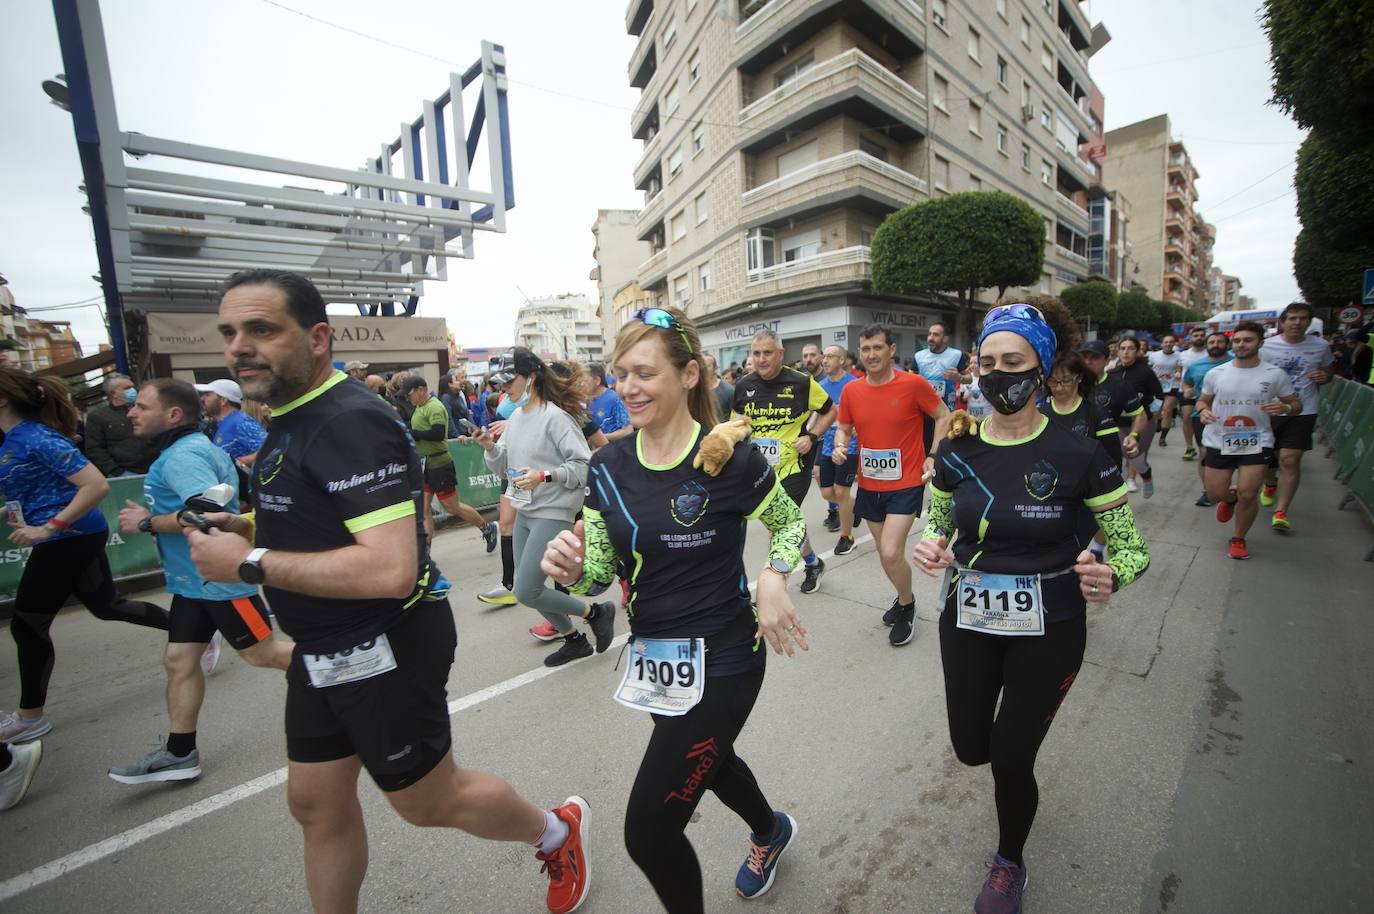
pixel 1166 368
pixel 1298 360
pixel 1237 395
pixel 978 406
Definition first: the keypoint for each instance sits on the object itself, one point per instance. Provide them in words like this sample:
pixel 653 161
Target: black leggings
pixel 1032 675
pixel 686 756
pixel 71 566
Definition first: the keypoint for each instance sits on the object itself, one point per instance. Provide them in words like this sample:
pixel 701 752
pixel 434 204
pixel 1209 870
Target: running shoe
pixel 1190 453
pixel 15 780
pixel 894 612
pixel 497 596
pixel 1203 501
pixel 1237 549
pixel 545 631
pixel 603 625
pixel 755 876
pixel 811 578
pixel 1003 889
pixel 1149 488
pixel 570 876
pixel 904 629
pixel 574 647
pixel 1226 509
pixel 17 729
pixel 1131 486
pixel 158 765
pixel 210 658
pixel 1269 495
pixel 1280 522
pixel 490 534
pixel 844 545
pixel 832 520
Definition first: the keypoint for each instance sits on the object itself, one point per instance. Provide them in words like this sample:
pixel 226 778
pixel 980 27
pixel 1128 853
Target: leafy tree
pixel 1335 191
pixel 1322 57
pixel 1136 311
pixel 959 244
pixel 1330 277
pixel 1094 301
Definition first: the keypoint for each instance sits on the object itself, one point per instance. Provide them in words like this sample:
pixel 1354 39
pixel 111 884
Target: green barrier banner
pixel 1361 480
pixel 478 486
pixel 1348 413
pixel 129 554
pixel 1355 434
pixel 1333 396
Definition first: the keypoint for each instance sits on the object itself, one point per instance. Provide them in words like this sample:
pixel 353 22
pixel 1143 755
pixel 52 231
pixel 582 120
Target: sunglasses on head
pixel 657 317
pixel 1030 312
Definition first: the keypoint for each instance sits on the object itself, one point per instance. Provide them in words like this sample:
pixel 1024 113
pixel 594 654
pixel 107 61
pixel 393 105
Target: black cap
pixel 519 361
pixel 1096 347
pixel 413 382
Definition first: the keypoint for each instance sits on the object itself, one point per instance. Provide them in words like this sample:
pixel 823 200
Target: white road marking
pixel 93 853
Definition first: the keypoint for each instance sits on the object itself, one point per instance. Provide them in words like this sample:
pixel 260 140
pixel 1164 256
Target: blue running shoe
pixel 490 535
pixel 1002 891
pixel 755 875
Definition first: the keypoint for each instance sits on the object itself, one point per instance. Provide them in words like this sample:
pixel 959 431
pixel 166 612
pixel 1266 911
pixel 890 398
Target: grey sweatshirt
pixel 545 438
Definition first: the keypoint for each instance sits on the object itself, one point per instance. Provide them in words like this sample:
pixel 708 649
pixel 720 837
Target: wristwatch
pixel 780 567
pixel 146 525
pixel 250 571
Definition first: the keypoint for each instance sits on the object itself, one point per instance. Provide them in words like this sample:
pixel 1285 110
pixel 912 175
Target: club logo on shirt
pixel 785 393
pixel 1041 480
pixel 690 502
pixel 270 466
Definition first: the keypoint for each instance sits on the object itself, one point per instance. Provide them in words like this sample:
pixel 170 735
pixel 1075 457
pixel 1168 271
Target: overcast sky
pixel 251 76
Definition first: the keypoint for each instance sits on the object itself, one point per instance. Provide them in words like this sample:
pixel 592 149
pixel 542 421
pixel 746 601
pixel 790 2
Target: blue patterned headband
pixel 1026 322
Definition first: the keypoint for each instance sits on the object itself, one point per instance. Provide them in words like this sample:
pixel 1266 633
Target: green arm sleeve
pixel 598 566
pixel 940 518
pixel 780 514
pixel 1130 555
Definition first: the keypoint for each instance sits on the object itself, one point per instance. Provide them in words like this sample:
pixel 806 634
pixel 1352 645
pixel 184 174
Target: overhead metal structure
pixel 166 240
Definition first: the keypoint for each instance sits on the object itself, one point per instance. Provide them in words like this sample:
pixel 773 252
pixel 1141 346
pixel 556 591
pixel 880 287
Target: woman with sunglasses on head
pixel 545 455
pixel 52 493
pixel 1013 493
pixel 697 653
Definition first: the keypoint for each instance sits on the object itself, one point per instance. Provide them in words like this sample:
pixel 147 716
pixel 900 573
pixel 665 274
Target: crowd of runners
pixel 637 479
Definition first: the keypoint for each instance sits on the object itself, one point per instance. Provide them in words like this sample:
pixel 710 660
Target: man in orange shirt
pixel 888 409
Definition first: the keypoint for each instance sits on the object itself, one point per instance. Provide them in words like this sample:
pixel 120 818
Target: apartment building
pixel 618 254
pixel 1223 292
pixel 1171 242
pixel 560 327
pixel 1109 243
pixel 778 134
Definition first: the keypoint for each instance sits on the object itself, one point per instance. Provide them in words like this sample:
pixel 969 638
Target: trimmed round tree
pixel 1093 302
pixel 1136 311
pixel 959 244
pixel 1330 278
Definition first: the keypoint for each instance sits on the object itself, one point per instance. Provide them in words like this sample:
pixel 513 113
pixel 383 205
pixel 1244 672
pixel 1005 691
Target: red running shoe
pixel 569 875
pixel 545 631
pixel 1226 508
pixel 1237 549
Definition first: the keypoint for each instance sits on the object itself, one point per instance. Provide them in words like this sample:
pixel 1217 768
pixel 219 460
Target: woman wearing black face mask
pixel 1013 493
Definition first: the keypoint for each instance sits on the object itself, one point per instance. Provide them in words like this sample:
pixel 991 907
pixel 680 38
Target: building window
pixel 698 138
pixel 703 207
pixel 669 35
pixel 975 182
pixel 795 159
pixel 682 290
pixel 975 44
pixel 941 174
pixel 794 69
pixel 675 162
pixel 1002 8
pixel 704 277
pixel 975 119
pixel 939 13
pixel 877 150
pixel 694 67
pixel 1046 116
pixel 1047 58
pixel 760 249
pixel 866 236
pixel 1046 173
pixel 672 100
pixel 1025 156
pixel 1025 94
pixel 1001 72
pixel 1025 32
pixel 801 247
pixel 1002 139
pixel 678 225
pixel 939 91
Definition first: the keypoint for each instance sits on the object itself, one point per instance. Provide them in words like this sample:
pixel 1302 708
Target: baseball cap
pixel 1096 347
pixel 355 365
pixel 226 388
pixel 413 382
pixel 519 361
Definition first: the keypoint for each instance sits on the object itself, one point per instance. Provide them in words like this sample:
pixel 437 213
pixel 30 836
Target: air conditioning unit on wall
pixel 1027 112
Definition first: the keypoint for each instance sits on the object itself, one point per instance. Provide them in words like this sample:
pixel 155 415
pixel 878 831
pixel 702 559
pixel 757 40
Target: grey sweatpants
pixel 532 536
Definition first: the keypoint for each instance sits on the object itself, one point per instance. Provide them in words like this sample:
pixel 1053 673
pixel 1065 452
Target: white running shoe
pixel 17 729
pixel 15 780
pixel 1131 486
pixel 210 659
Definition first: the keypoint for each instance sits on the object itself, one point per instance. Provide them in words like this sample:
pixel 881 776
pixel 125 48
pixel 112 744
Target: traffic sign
pixel 1368 298
pixel 1350 315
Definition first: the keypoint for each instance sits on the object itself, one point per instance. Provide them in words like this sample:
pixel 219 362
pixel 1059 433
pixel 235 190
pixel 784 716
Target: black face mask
pixel 1010 391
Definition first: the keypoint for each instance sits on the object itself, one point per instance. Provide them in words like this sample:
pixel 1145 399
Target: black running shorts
pixel 1216 460
pixel 876 506
pixel 442 480
pixel 1293 433
pixel 842 475
pixel 797 485
pixel 242 622
pixel 396 723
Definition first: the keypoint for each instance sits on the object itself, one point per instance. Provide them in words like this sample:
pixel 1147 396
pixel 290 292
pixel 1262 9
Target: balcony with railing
pixel 828 268
pixel 648 160
pixel 1070 206
pixel 1071 255
pixel 645 116
pixel 849 83
pixel 650 214
pixel 644 61
pixel 762 36
pixel 829 183
pixel 637 16
pixel 653 272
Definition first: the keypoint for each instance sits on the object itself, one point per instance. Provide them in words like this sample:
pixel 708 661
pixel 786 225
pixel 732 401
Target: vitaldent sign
pixel 173 334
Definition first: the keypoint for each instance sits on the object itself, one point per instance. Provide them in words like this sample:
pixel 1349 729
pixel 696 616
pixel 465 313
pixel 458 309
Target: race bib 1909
pixel 999 604
pixel 371 658
pixel 880 463
pixel 771 448
pixel 664 676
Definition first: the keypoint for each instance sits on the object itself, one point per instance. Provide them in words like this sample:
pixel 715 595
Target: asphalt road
pixel 1215 754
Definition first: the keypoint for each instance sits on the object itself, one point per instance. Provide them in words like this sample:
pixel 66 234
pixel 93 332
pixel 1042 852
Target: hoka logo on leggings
pixel 706 753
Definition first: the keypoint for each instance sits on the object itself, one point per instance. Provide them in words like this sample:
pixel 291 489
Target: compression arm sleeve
pixel 435 433
pixel 1130 555
pixel 780 514
pixel 940 517
pixel 598 566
